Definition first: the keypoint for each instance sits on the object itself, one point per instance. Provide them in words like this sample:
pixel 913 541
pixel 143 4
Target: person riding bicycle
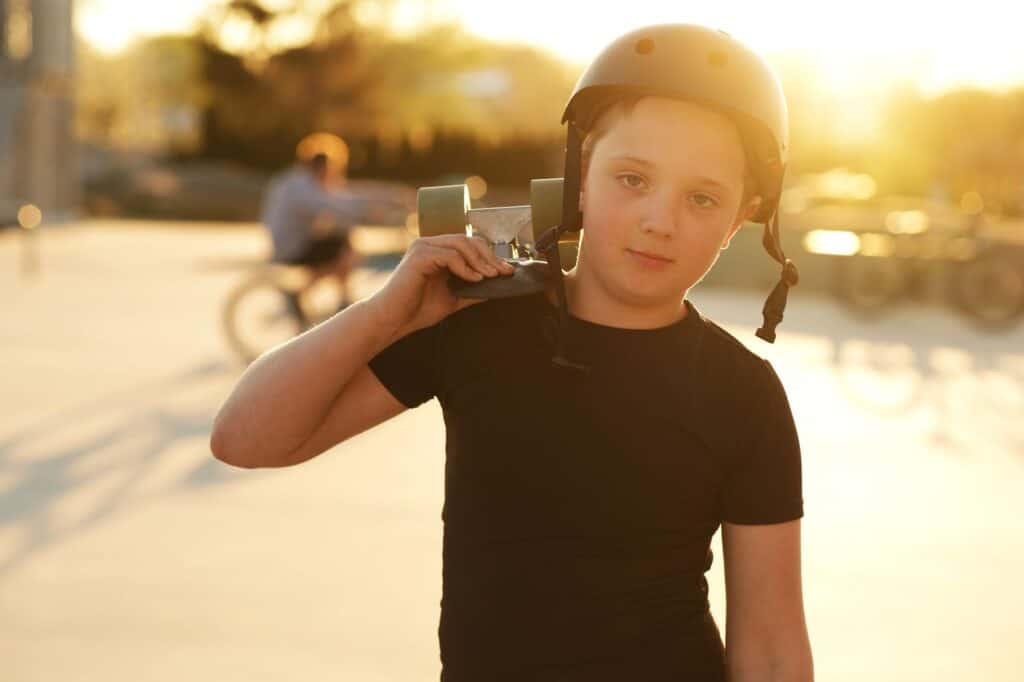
pixel 598 433
pixel 309 212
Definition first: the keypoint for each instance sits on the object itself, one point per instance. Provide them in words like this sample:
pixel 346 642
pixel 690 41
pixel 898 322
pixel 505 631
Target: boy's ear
pixel 745 214
pixel 584 170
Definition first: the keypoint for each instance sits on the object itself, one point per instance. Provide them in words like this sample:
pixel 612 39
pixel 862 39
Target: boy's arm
pixel 766 634
pixel 351 208
pixel 315 199
pixel 279 407
pixel 316 390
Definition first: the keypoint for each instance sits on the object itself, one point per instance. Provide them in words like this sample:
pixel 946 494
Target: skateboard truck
pixel 510 231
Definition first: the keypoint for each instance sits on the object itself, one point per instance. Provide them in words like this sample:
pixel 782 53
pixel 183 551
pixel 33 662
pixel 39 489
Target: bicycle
pixel 272 304
pixel 981 278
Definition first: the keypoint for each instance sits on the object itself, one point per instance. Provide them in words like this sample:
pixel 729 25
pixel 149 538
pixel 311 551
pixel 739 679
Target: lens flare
pixel 832 242
pixel 29 216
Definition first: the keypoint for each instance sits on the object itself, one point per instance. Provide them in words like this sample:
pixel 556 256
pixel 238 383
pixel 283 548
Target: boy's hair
pixel 318 162
pixel 331 147
pixel 614 112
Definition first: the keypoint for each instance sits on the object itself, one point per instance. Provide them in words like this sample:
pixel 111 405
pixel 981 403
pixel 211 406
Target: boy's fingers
pixel 456 263
pixel 475 253
pixel 484 255
pixel 488 253
pixel 475 250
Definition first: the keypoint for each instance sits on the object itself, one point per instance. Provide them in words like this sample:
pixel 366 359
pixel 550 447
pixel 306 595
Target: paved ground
pixel 128 553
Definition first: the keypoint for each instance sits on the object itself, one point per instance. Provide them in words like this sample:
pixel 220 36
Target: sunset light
pixel 858 47
pixel 284 279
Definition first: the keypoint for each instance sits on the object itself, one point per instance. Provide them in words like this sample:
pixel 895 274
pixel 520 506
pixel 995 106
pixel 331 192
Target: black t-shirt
pixel 579 509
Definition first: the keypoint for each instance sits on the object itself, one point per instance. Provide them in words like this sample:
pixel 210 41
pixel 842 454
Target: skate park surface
pixel 127 552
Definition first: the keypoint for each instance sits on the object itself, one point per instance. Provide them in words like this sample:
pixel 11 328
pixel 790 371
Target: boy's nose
pixel 660 219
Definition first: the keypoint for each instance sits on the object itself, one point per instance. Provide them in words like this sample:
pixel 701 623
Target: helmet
pixel 706 67
pixel 323 144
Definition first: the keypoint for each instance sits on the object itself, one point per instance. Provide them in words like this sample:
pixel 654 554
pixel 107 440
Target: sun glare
pixel 110 26
pixel 860 45
pixel 860 48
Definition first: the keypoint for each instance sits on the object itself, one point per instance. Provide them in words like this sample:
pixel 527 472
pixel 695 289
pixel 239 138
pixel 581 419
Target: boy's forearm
pixel 285 394
pixel 795 665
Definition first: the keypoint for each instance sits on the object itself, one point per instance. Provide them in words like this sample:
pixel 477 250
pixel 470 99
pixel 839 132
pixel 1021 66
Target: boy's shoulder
pixel 494 313
pixel 725 356
pixel 726 343
pixel 492 327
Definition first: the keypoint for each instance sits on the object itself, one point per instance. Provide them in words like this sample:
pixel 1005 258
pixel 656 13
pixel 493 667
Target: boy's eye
pixel 633 181
pixel 704 200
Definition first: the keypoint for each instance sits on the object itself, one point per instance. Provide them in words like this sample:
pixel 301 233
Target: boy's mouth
pixel 648 257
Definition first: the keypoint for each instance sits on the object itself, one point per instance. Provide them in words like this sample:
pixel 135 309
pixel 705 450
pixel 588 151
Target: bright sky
pixel 863 45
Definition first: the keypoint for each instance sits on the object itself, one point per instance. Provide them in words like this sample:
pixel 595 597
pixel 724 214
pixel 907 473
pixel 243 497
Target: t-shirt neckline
pixel 684 325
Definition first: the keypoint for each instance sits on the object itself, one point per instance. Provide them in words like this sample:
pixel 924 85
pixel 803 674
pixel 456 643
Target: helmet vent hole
pixel 718 58
pixel 644 46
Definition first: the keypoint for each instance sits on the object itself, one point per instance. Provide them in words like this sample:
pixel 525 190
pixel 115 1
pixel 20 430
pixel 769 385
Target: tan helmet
pixel 706 67
pixel 700 65
pixel 327 144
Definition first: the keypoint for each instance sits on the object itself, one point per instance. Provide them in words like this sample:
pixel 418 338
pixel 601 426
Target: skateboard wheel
pixel 545 204
pixel 442 210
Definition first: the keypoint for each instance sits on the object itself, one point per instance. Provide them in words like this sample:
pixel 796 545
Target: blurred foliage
pixel 256 78
pixel 439 101
pixel 961 142
pixel 146 99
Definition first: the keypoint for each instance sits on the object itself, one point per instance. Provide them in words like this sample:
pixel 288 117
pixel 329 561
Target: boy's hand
pixel 417 294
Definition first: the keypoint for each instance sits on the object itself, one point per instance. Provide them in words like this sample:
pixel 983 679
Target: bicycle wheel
pixel 260 313
pixel 867 285
pixel 991 291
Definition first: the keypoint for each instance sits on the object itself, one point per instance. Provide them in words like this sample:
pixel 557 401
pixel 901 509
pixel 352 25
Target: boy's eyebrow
pixel 704 180
pixel 634 159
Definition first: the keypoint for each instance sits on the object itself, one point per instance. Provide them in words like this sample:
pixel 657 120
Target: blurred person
pixel 309 212
pixel 599 433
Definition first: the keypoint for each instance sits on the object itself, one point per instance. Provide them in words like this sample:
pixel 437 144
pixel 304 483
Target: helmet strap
pixel 775 305
pixel 572 221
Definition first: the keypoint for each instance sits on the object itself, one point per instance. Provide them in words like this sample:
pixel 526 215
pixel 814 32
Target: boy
pixel 581 495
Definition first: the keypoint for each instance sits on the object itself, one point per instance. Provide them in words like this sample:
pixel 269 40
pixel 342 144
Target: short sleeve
pixel 764 482
pixel 408 368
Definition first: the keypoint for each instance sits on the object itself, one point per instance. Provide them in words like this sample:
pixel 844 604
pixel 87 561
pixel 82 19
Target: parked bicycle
pixel 980 276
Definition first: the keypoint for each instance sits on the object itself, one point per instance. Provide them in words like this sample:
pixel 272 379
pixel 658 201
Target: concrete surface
pixel 128 553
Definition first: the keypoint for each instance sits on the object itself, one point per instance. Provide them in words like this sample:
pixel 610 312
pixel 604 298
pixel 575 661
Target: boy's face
pixel 660 198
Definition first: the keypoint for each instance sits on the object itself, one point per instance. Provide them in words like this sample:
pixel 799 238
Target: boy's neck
pixel 615 314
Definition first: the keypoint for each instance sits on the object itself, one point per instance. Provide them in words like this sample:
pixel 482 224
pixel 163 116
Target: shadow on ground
pixel 73 470
pixel 910 361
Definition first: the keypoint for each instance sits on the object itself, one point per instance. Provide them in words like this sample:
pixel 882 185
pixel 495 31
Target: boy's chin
pixel 651 297
pixel 632 293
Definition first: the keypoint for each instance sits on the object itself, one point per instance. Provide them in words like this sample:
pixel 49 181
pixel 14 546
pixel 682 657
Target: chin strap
pixel 572 221
pixel 775 305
